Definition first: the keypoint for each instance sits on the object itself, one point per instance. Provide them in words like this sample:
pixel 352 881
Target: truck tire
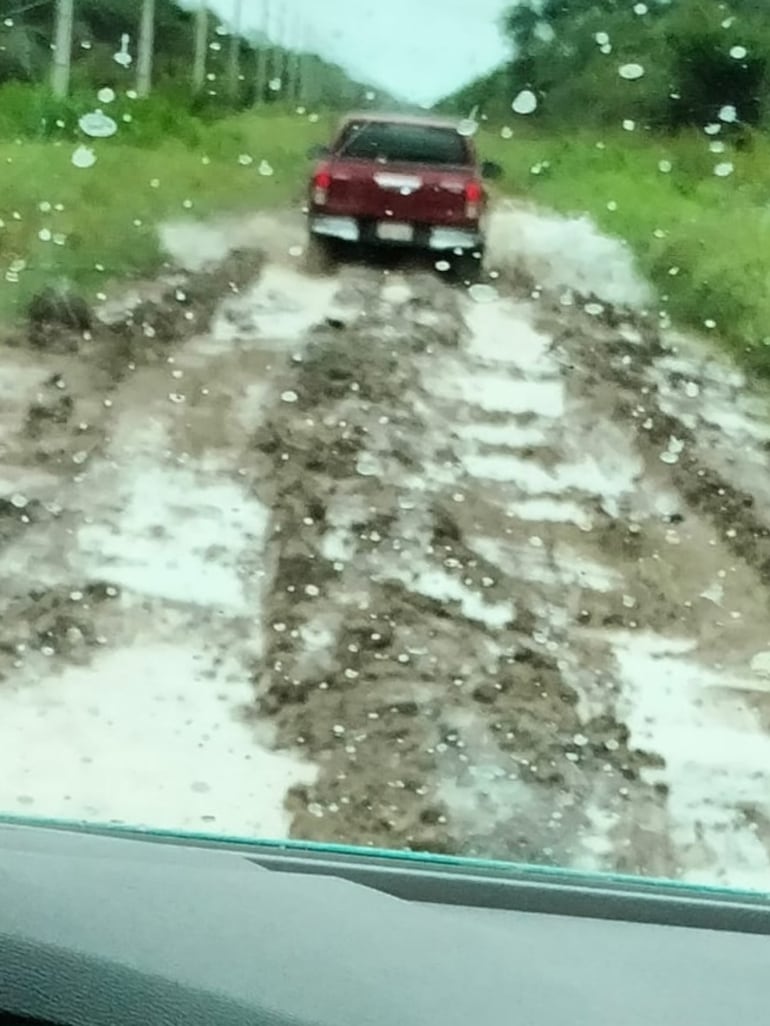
pixel 320 254
pixel 467 267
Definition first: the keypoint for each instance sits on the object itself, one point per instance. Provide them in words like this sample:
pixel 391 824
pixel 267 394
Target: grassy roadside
pixel 703 240
pixel 87 225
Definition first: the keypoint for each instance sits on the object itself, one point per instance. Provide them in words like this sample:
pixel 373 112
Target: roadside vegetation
pixel 653 119
pixel 82 227
pixel 222 123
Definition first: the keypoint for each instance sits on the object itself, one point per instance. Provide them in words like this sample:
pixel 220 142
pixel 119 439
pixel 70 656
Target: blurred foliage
pixel 697 56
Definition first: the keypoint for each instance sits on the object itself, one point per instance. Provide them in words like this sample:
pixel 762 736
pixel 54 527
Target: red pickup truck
pixel 397 180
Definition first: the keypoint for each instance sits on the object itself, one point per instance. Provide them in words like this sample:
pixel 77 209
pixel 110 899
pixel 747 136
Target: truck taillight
pixel 321 182
pixel 472 199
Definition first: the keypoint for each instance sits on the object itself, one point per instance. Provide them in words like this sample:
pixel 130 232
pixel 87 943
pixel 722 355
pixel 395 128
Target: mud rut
pixel 500 584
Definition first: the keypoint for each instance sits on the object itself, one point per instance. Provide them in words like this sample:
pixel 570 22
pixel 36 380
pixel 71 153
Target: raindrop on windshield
pixel 84 157
pixel 98 125
pixel 724 169
pixel 525 102
pixel 630 72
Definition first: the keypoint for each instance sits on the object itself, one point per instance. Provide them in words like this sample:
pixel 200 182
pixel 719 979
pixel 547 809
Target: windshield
pixel 368 505
pixel 415 144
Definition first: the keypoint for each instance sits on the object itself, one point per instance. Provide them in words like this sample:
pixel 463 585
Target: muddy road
pixel 370 559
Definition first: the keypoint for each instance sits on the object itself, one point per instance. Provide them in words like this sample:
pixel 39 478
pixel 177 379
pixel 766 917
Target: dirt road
pixel 370 559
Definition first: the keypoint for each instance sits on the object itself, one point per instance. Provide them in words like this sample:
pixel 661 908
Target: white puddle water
pixel 588 476
pixel 194 245
pixel 281 307
pixel 178 535
pixel 502 332
pixel 559 566
pixel 146 735
pixel 446 588
pixel 493 393
pixel 717 755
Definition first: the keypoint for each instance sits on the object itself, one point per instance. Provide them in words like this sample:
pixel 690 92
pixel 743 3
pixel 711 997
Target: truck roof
pixel 428 120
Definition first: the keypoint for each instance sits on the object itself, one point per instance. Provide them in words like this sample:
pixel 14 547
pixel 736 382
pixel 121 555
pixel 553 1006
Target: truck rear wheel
pixel 320 254
pixel 467 267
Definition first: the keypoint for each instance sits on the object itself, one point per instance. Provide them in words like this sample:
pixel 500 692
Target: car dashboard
pixel 99 929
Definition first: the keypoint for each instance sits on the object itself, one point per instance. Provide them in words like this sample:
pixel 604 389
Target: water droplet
pixel 738 52
pixel 289 396
pixel 665 166
pixel 106 95
pixel 724 169
pixel 265 169
pixel 98 125
pixel 84 157
pixel 631 72
pixel 728 114
pixel 525 102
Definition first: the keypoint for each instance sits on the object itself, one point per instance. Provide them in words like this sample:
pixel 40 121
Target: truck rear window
pixel 411 144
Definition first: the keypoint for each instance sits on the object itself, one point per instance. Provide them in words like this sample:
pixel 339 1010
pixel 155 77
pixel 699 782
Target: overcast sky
pixel 418 49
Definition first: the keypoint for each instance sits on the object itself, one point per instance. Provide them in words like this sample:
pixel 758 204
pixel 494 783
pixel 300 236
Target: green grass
pixel 715 231
pixel 103 219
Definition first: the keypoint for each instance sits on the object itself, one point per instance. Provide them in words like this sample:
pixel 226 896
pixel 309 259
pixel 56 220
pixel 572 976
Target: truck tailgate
pixel 402 192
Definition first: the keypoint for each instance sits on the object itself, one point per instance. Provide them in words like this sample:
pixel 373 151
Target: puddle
pixel 442 586
pixel 176 535
pixel 556 565
pixel 588 476
pixel 502 333
pixel 147 736
pixel 195 245
pixel 717 757
pixel 281 307
pixel 509 435
pixel 495 393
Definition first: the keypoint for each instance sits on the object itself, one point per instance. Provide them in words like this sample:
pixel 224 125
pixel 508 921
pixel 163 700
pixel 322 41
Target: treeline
pixel 664 64
pixel 256 70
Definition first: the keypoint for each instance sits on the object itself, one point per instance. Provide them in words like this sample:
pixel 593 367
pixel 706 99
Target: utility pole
pixel 62 48
pixel 263 55
pixel 145 48
pixel 235 50
pixel 295 74
pixel 280 61
pixel 201 46
pixel 310 72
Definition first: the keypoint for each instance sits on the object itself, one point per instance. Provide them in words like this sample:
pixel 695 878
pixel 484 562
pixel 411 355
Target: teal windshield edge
pixel 532 870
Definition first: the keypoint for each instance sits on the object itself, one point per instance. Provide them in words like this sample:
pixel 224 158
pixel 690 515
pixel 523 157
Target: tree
pixel 696 58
